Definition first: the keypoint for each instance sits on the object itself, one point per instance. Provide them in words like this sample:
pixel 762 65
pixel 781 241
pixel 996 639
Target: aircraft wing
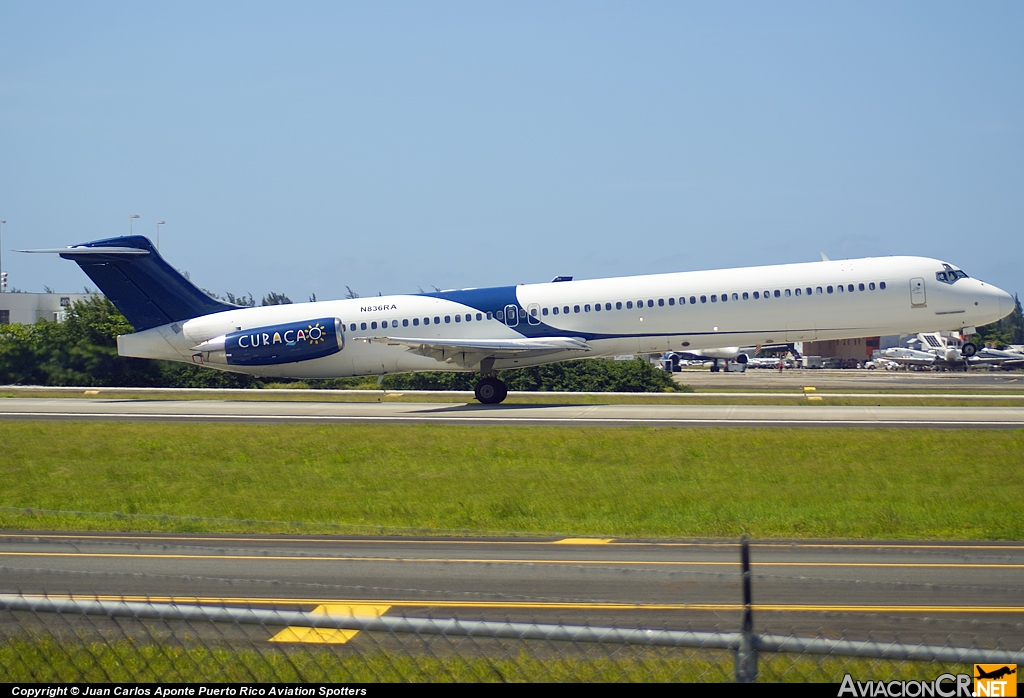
pixel 470 351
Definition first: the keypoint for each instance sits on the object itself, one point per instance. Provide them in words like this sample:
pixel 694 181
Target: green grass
pixel 642 482
pixel 51 660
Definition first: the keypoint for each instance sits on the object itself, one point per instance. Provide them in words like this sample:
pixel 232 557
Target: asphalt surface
pixel 854 379
pixel 807 415
pixel 946 593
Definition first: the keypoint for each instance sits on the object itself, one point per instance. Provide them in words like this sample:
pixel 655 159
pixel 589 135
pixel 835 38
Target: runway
pixel 852 379
pixel 936 592
pixel 681 415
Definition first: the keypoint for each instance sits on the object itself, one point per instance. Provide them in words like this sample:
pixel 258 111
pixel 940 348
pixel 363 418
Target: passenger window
pixel 362 325
pixel 881 285
pixel 757 295
pixel 788 293
pixel 437 320
pixel 860 287
pixel 745 296
pixel 394 323
pixel 829 289
pixel 575 309
pixel 778 294
pixel 671 301
pixel 426 321
pixel 373 325
pixel 607 306
pixel 704 299
pixel 415 322
pixel 629 305
pixel 490 316
pixel 808 290
pixel 458 318
pixel 555 310
pixel 565 309
pixel 586 308
pixel 469 317
pixel 871 286
pixel 533 312
pixel 618 305
pixel 353 327
pixel 850 288
pixel 714 297
pixel 766 294
pixel 650 303
pixel 839 288
pixel 447 318
pixel 661 302
pixel 544 311
pixel 819 290
pixel 735 297
pixel 725 297
pixel 797 292
pixel 693 300
pixel 597 306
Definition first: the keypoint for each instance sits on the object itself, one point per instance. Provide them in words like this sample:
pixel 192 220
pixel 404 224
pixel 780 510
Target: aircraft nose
pixel 1006 303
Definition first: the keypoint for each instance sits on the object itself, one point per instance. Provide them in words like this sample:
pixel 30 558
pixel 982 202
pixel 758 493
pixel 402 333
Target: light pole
pixel 130 219
pixel 158 224
pixel 3 287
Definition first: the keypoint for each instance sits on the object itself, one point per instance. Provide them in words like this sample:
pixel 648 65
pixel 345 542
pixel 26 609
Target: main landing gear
pixel 490 391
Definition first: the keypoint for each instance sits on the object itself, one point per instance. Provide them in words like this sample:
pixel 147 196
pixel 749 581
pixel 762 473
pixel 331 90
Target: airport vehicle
pixel 487 329
pixel 934 350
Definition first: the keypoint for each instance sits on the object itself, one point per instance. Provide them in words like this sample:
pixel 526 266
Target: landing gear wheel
pixel 969 350
pixel 490 391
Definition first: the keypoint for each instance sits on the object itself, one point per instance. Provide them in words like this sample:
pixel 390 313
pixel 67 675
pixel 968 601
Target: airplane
pixel 483 330
pixel 721 357
pixel 995 673
pixel 934 350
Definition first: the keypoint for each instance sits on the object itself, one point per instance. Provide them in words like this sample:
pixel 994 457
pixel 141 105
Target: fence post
pixel 746 653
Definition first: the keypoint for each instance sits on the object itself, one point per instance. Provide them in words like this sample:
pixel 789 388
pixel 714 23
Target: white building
pixel 26 308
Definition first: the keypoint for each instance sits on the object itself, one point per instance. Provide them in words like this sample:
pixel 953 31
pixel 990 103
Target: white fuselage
pixel 638 314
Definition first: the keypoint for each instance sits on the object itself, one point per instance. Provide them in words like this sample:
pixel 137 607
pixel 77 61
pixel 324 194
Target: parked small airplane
pixel 932 349
pixel 483 330
pixel 721 358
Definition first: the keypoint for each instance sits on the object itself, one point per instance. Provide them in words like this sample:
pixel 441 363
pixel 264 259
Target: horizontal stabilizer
pixel 78 250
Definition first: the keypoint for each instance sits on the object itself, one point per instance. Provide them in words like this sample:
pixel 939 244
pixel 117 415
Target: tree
pixel 276 299
pixel 1009 330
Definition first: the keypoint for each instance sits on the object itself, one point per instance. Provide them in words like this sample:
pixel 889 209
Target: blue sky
pixel 303 147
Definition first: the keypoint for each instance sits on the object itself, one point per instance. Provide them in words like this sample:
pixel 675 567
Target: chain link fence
pixel 71 639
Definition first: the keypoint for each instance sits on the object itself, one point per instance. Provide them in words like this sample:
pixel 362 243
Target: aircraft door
pixel 533 314
pixel 511 315
pixel 918 299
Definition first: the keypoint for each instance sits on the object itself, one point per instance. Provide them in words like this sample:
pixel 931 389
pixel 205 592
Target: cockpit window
pixel 950 275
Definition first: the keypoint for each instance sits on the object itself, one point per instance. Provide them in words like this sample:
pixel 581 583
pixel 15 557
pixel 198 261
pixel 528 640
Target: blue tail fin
pixel 137 280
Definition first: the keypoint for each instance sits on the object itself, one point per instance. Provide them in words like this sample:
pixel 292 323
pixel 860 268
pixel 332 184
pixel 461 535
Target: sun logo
pixel 315 334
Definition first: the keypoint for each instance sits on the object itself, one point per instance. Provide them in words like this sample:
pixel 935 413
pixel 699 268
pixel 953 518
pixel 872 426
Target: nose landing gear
pixel 490 391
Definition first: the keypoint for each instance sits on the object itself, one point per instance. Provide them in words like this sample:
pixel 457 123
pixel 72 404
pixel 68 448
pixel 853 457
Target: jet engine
pixel 274 344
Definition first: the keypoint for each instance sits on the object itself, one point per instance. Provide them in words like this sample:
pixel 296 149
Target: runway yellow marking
pixel 531 605
pixel 330 636
pixel 726 545
pixel 513 561
pixel 583 541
